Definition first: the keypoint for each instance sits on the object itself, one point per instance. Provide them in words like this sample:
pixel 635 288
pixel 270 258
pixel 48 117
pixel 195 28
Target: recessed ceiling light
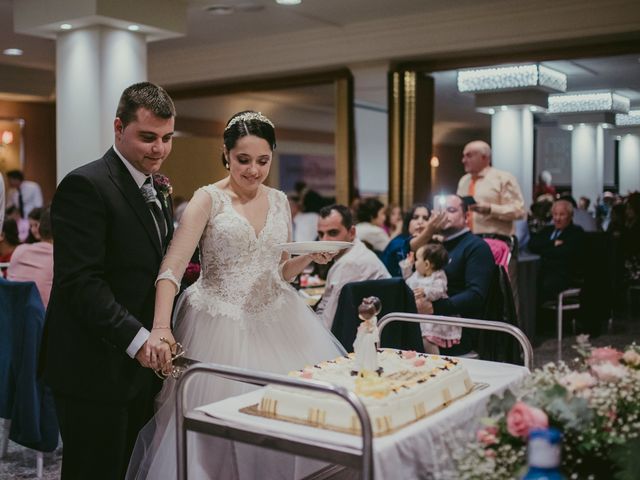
pixel 66 26
pixel 288 2
pixel 133 28
pixel 220 9
pixel 12 52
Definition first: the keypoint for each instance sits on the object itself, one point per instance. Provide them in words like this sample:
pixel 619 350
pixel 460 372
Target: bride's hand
pixel 159 346
pixel 322 257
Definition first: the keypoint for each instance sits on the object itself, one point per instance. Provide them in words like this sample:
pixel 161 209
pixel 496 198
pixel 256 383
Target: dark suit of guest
pixel 106 258
pixel 469 272
pixel 560 261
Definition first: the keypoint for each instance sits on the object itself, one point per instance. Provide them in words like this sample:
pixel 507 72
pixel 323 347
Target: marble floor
pixel 20 463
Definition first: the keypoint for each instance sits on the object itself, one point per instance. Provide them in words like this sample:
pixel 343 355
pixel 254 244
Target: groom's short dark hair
pixel 144 95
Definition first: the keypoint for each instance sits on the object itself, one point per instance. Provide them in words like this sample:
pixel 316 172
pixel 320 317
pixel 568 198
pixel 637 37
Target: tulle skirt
pixel 292 337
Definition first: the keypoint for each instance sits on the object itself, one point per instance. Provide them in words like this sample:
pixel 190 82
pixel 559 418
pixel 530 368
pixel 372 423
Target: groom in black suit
pixel 111 228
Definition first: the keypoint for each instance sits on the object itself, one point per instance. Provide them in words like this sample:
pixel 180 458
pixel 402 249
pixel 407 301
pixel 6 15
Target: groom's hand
pixel 142 356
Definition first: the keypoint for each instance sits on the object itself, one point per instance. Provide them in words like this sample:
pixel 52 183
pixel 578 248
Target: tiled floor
pixel 20 463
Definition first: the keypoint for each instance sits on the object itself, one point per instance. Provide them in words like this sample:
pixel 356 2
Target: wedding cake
pixel 407 386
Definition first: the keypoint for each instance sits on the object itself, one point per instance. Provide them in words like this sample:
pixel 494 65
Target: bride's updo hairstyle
pixel 247 123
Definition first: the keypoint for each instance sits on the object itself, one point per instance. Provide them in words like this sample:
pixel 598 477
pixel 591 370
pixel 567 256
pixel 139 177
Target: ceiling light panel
pixel 510 78
pixel 628 120
pixel 588 102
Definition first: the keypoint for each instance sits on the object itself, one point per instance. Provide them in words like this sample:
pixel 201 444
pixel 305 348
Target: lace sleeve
pixel 284 209
pixel 186 238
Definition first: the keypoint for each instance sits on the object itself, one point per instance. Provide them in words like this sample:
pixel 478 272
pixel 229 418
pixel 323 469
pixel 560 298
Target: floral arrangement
pixel 163 187
pixel 594 401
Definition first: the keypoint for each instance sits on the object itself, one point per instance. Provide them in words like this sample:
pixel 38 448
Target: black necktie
pixel 20 202
pixel 149 196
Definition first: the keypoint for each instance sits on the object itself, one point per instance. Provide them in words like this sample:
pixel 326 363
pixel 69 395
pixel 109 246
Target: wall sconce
pixel 435 162
pixel 6 138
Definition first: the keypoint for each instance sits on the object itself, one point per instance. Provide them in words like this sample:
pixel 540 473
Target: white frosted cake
pixel 407 387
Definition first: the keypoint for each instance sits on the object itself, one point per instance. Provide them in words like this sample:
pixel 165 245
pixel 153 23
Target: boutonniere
pixel 163 187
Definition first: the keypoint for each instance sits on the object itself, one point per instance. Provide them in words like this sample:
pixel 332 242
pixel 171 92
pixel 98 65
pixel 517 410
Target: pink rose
pixel 522 418
pixel 409 354
pixel 605 355
pixel 489 453
pixel 307 373
pixel 419 362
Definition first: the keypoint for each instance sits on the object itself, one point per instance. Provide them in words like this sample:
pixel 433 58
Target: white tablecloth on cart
pixel 421 450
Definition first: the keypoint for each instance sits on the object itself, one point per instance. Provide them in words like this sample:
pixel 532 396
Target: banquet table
pixel 423 449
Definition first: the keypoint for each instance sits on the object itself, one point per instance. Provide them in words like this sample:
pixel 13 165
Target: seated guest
pixel 581 217
pixel 371 216
pixel 469 273
pixel 34 222
pixel 8 241
pixel 418 227
pixel 399 247
pixel 305 217
pixel 393 220
pixel 560 248
pixel 22 223
pixel 353 265
pixel 34 262
pixel 630 239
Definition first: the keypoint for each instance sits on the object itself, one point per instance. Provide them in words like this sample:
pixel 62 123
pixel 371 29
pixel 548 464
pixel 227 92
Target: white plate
pixel 300 248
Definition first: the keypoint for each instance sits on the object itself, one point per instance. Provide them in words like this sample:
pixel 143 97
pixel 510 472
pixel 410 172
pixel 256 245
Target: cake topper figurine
pixel 367 338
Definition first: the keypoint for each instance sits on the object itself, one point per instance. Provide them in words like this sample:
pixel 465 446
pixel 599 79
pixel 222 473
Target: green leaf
pixel 573 414
pixel 498 406
pixel 626 458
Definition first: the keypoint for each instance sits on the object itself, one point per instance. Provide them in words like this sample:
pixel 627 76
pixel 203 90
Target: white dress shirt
pixel 31 196
pixel 373 235
pixel 305 227
pixel 356 265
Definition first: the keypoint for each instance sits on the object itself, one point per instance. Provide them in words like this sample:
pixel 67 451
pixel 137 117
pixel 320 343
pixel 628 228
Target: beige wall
pixel 39 141
pixel 194 162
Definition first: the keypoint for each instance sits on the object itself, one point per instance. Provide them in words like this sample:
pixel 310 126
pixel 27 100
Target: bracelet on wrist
pixel 160 328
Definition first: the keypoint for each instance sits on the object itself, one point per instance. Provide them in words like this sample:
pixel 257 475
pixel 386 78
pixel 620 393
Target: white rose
pixel 578 381
pixel 608 372
pixel 631 357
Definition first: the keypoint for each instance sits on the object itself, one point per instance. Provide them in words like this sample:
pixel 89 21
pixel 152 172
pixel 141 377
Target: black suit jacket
pixel 106 257
pixel 560 266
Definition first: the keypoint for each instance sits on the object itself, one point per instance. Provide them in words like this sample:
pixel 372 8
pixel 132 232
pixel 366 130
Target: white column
pixel 512 146
pixel 587 161
pixel 93 66
pixel 629 163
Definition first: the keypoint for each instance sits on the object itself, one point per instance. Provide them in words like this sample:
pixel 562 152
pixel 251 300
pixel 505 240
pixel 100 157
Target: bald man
pixel 497 194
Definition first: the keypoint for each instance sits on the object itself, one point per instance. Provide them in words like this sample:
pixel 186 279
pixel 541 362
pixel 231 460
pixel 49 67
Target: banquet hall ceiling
pixel 254 19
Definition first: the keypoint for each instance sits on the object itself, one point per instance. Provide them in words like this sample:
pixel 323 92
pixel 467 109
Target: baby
pixel 431 279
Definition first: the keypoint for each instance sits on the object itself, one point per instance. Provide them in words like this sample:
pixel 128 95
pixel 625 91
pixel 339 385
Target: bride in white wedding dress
pixel 241 311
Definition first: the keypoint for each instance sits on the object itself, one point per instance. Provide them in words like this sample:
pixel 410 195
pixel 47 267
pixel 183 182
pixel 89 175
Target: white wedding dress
pixel 240 312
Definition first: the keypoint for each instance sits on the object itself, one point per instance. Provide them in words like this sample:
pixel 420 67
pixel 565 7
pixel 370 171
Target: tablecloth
pixel 423 449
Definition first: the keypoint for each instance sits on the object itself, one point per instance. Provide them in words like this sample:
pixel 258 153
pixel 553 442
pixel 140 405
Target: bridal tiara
pixel 248 116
